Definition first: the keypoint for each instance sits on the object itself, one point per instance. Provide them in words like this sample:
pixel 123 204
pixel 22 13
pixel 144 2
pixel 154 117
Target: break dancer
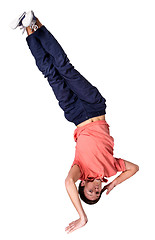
pixel 84 106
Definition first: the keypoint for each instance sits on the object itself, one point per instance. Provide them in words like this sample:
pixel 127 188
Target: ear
pixel 83 183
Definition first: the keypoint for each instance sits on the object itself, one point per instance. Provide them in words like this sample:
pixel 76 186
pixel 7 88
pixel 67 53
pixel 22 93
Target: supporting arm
pixel 73 175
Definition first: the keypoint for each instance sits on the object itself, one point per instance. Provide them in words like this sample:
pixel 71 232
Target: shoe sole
pixel 15 23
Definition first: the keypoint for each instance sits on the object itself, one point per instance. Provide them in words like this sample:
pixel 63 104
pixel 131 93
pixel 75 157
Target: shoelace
pixel 33 26
pixel 22 28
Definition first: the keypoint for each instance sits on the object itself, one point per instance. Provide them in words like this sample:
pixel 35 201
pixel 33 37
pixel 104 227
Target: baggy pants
pixel 76 96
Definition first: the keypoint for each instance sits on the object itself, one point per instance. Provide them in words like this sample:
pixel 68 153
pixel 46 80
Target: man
pixel 83 105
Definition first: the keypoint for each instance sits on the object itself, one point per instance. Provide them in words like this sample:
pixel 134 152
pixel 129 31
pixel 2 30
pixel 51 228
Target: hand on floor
pixel 76 224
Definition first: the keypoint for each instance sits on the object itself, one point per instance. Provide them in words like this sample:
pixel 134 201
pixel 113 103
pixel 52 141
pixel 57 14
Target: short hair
pixel 84 198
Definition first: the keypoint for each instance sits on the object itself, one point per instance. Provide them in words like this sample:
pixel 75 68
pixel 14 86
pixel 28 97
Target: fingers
pixel 109 189
pixel 107 192
pixel 106 188
pixel 71 230
pixel 71 227
pixel 74 225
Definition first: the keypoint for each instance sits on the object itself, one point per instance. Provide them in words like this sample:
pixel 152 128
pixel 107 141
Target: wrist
pixel 84 220
pixel 83 217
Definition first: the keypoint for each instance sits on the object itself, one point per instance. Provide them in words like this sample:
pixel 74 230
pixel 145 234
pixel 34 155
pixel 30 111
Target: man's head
pixel 90 191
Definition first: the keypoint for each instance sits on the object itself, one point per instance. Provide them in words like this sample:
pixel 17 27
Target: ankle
pixel 38 23
pixel 31 30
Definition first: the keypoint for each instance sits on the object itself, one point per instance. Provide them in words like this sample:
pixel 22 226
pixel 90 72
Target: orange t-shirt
pixel 94 152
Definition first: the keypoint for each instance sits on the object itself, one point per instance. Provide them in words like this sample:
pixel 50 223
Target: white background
pixel 112 43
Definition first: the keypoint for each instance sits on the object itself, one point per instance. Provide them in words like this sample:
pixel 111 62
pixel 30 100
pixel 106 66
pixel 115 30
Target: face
pixel 92 189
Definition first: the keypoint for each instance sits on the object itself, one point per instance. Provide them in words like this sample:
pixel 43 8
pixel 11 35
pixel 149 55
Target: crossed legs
pixel 77 97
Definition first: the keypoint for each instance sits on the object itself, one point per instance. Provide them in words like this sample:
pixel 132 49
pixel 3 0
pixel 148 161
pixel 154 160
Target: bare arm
pixel 73 175
pixel 131 169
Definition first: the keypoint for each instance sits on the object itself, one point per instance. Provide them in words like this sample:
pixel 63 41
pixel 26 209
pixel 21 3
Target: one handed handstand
pixel 84 106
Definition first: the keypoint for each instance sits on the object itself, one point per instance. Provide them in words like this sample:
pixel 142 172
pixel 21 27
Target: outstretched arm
pixel 73 175
pixel 131 169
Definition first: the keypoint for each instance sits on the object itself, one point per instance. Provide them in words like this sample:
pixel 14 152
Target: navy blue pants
pixel 76 96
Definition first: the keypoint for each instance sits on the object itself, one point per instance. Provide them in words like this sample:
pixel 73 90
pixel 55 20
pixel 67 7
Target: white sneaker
pixel 29 20
pixel 17 21
pixel 25 20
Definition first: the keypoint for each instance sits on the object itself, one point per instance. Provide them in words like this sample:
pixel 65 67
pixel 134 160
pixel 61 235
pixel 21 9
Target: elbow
pixel 136 168
pixel 68 181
